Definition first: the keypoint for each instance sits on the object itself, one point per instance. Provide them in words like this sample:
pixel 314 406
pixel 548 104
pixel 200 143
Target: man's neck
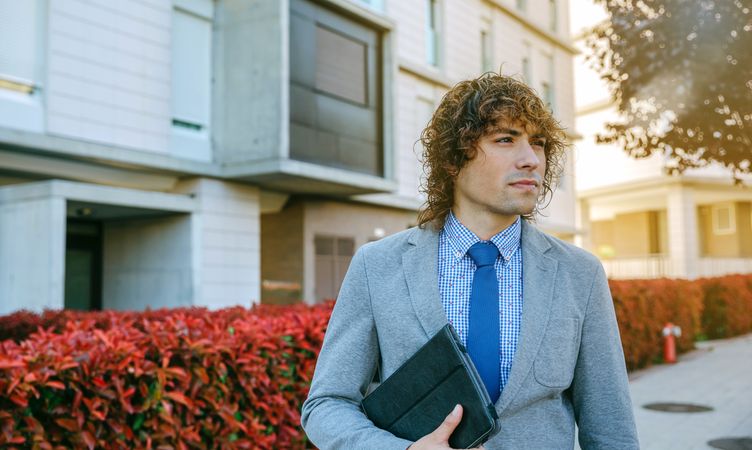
pixel 485 226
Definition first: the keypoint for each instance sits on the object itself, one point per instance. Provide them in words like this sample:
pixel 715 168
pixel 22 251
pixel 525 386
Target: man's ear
pixel 452 170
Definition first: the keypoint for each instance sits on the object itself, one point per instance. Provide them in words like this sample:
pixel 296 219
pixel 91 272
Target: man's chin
pixel 516 210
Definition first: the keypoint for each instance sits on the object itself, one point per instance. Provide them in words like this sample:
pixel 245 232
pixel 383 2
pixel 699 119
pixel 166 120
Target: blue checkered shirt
pixel 456 270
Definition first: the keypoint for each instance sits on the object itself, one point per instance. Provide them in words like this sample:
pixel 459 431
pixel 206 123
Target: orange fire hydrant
pixel 670 333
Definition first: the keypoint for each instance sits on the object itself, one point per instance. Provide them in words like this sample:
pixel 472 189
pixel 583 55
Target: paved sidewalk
pixel 719 375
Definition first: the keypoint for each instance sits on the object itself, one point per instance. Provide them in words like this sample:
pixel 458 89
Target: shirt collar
pixel 461 238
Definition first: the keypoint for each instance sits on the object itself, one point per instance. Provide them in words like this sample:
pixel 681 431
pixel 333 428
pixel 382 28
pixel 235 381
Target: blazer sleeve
pixel 600 389
pixel 331 415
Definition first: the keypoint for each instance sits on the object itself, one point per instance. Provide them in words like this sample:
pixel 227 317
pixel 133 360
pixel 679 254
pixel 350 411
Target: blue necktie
pixel 483 332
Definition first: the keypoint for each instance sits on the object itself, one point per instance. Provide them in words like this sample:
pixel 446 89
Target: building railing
pixel 659 266
pixel 641 267
pixel 712 267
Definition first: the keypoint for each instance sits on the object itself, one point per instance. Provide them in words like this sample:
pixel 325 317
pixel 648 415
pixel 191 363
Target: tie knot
pixel 483 253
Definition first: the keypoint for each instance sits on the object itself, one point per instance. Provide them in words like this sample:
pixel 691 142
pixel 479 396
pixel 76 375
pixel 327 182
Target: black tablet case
pixel 418 396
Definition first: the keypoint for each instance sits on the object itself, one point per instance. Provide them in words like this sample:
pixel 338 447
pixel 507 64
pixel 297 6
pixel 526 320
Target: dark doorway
pixel 83 265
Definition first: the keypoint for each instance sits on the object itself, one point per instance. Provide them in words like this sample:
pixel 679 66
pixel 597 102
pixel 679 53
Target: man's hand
pixel 439 438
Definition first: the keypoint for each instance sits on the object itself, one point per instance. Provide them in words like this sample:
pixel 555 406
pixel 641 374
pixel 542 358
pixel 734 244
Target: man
pixel 536 313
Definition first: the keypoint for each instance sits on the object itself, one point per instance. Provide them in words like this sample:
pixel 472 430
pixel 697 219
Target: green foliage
pixel 680 74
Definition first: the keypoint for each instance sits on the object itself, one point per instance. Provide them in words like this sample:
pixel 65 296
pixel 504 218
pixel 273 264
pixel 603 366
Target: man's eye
pixel 539 143
pixel 504 139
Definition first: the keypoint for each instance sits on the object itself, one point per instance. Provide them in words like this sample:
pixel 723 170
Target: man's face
pixel 505 177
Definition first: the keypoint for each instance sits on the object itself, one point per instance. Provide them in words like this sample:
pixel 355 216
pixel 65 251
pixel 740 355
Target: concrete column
pixel 226 243
pixel 32 253
pixel 683 240
pixel 250 111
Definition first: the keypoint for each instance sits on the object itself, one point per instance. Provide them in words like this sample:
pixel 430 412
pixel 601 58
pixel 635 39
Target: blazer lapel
pixel 420 266
pixel 538 273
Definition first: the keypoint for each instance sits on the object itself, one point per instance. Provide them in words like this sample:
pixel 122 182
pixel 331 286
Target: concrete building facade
pixel 640 221
pixel 159 153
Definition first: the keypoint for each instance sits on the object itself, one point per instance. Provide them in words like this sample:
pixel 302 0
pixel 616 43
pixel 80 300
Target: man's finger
pixel 446 428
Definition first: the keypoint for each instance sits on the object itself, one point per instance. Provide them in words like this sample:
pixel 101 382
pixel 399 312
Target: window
pixel 423 112
pixel 546 92
pixel 341 66
pixel 724 219
pixel 336 90
pixel 19 45
pixel 333 255
pixel 191 64
pixel 486 60
pixel 553 16
pixel 526 68
pixel 432 32
pixel 527 71
pixel 547 85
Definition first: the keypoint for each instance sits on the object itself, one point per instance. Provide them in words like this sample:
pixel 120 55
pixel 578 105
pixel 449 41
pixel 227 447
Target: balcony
pixel 303 96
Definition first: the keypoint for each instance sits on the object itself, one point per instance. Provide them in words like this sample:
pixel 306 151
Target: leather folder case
pixel 417 397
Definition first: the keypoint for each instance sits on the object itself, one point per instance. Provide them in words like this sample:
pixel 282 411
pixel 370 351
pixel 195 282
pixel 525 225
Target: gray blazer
pixel 569 365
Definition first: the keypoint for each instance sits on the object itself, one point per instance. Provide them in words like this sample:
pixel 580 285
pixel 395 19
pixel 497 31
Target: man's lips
pixel 525 183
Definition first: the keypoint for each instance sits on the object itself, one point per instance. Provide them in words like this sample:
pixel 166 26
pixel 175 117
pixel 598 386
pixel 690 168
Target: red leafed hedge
pixel 727 309
pixel 643 307
pixel 180 379
pixel 236 378
pixel 19 325
pixel 706 308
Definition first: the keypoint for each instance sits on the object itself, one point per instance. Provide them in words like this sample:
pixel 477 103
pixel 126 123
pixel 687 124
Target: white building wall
pixel 227 243
pixel 108 69
pixel 461 39
pixel 509 38
pixel 147 263
pixel 416 103
pixel 411 29
pixel 32 233
pixel 560 214
pixel 563 79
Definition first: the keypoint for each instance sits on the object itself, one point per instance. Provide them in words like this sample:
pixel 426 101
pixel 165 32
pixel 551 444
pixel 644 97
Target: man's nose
pixel 528 157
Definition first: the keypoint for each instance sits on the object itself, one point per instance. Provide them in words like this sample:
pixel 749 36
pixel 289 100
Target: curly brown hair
pixel 466 113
